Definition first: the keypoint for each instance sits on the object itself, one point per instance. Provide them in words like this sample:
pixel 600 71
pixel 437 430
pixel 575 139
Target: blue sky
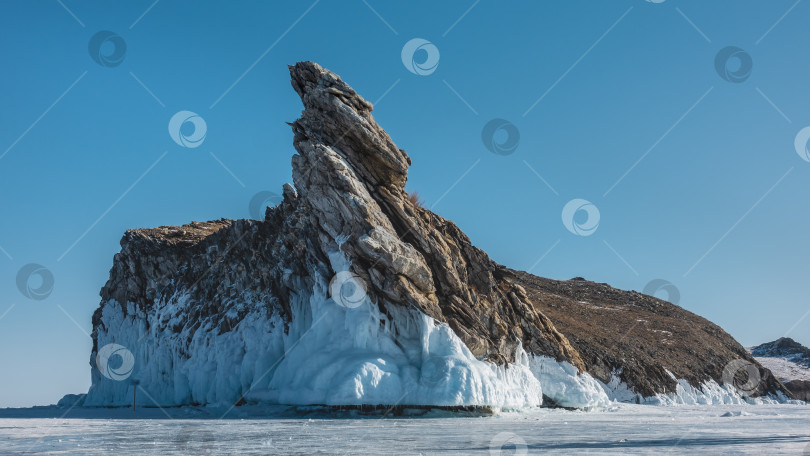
pixel 713 198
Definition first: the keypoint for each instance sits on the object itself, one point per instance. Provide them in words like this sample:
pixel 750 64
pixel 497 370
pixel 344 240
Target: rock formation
pixel 349 293
pixel 789 362
pixel 784 347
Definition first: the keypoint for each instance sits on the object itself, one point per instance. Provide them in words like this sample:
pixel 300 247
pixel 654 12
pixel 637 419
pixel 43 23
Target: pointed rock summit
pixel 351 178
pixel 348 293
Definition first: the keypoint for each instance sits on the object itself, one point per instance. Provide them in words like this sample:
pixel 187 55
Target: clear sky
pixel 687 159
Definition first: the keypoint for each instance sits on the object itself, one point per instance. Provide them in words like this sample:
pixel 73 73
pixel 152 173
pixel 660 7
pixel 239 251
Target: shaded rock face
pixel 176 293
pixel 799 389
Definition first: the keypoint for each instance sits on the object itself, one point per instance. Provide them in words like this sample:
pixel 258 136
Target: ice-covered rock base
pixel 709 393
pixel 330 355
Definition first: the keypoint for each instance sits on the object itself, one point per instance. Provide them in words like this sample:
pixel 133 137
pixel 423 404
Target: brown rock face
pixel 642 336
pixel 349 196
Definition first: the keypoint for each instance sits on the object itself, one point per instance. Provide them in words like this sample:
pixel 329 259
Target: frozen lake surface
pixel 620 429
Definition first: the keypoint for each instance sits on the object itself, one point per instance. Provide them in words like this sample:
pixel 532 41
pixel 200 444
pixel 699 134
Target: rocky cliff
pixel 348 293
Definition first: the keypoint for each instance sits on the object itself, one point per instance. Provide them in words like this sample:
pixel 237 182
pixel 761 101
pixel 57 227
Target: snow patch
pixel 732 413
pixel 785 369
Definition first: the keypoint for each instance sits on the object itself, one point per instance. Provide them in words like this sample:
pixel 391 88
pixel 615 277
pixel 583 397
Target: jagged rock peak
pixel 351 175
pixel 338 117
